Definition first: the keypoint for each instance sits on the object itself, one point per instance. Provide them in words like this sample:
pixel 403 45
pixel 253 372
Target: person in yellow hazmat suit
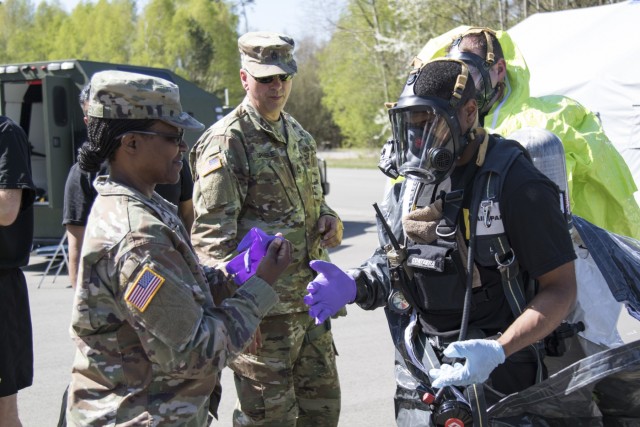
pixel 600 184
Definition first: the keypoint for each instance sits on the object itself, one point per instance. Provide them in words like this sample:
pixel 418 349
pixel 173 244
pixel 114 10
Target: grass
pixel 351 158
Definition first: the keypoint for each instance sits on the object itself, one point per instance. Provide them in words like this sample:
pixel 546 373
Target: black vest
pixel 439 282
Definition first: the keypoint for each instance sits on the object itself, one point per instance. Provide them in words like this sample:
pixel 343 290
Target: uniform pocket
pixel 262 384
pixel 442 291
pixel 272 192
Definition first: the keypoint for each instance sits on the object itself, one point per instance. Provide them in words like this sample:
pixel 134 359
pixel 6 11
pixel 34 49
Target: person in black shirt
pixel 444 216
pixel 17 194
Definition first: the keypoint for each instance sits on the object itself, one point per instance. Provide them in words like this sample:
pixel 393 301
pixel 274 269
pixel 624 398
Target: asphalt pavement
pixel 365 361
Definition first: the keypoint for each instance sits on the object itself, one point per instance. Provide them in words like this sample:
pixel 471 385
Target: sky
pixel 296 18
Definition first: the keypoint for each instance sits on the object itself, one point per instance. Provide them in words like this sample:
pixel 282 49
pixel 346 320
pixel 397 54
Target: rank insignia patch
pixel 144 289
pixel 211 165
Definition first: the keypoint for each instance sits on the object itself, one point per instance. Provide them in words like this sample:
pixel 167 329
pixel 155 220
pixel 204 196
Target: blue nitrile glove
pixel 252 249
pixel 482 358
pixel 331 290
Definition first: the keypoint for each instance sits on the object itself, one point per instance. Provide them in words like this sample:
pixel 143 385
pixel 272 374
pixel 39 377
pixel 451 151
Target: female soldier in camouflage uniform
pixel 150 340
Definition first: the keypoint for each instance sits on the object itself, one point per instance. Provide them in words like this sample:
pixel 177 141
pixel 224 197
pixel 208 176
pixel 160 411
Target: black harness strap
pixel 505 258
pixel 451 208
pixel 487 190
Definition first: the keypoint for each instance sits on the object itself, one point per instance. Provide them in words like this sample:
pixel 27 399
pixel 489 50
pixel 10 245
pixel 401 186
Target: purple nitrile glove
pixel 483 356
pixel 252 249
pixel 331 290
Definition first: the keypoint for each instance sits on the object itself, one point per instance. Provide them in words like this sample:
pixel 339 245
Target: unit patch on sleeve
pixel 213 164
pixel 144 289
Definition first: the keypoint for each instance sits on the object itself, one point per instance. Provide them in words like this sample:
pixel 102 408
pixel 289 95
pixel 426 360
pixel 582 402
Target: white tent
pixel 593 56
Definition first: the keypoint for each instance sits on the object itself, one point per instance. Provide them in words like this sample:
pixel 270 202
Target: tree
pixel 16 19
pixel 361 67
pixel 355 74
pixel 69 40
pixel 223 71
pixel 305 100
pixel 26 35
pixel 97 32
pixel 368 57
pixel 48 20
pixel 195 38
pixel 113 18
pixel 155 41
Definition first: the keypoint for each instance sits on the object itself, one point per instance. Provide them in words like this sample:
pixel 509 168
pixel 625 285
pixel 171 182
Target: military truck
pixel 43 98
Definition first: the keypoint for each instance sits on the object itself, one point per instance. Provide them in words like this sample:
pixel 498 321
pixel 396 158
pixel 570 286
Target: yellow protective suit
pixel 601 186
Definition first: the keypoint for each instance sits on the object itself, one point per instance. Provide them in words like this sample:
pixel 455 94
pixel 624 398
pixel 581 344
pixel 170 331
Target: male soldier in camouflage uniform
pixel 257 167
pixel 150 340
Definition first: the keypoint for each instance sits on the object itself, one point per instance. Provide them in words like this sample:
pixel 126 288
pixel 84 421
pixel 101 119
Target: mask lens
pixel 477 77
pixel 424 146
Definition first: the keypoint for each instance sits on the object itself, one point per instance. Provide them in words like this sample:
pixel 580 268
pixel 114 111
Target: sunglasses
pixel 174 138
pixel 269 79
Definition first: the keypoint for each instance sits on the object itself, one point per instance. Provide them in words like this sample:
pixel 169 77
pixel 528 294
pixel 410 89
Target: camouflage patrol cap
pixel 266 54
pixel 124 95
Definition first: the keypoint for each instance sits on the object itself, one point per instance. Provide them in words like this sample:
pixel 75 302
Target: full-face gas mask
pixel 479 67
pixel 426 132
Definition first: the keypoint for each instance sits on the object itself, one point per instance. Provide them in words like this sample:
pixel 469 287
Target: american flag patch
pixel 145 287
pixel 212 164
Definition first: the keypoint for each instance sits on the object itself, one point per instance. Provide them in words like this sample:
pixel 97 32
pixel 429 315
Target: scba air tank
pixel 547 153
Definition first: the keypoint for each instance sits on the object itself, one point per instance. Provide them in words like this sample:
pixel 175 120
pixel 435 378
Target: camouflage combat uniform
pixel 150 342
pixel 248 174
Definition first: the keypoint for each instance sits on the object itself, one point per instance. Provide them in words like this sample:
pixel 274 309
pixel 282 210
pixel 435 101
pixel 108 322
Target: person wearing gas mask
pixel 480 265
pixel 600 185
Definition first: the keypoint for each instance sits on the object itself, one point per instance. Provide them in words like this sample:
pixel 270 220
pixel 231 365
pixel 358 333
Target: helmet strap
pixel 471 134
pixel 490 57
pixel 484 145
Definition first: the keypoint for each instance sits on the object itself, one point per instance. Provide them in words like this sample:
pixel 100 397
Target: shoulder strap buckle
pixel 451 207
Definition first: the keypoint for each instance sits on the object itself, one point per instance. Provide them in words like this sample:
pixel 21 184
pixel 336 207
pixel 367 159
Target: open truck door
pixel 58 115
pixel 43 105
pixel 60 100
